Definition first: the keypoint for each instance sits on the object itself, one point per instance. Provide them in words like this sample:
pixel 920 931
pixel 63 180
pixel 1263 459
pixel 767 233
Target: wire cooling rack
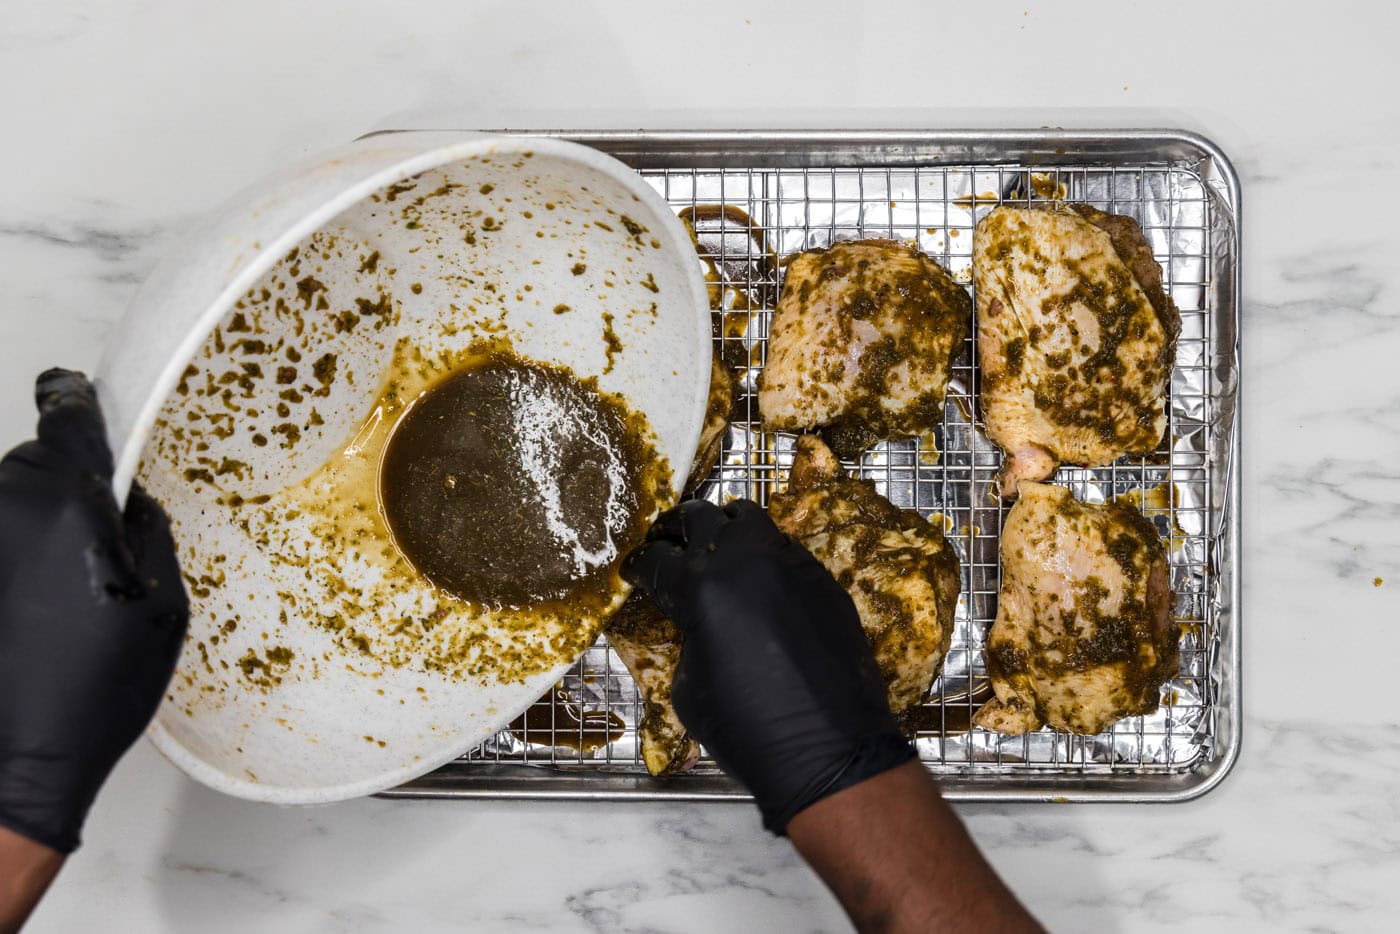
pixel 754 199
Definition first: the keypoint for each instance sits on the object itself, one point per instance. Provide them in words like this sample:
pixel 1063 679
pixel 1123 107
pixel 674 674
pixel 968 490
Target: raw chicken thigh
pixel 902 574
pixel 1075 336
pixel 863 338
pixel 1083 634
pixel 720 405
pixel 644 638
pixel 650 647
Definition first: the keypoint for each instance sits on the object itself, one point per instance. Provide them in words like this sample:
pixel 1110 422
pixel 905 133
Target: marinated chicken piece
pixel 721 403
pixel 644 638
pixel 901 573
pixel 650 647
pixel 1083 634
pixel 862 340
pixel 1075 335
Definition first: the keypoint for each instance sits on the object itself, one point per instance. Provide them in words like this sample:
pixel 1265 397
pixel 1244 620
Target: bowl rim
pixel 676 241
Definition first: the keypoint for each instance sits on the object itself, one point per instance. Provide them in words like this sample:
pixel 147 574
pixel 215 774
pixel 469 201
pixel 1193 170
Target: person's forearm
pixel 26 870
pixel 898 859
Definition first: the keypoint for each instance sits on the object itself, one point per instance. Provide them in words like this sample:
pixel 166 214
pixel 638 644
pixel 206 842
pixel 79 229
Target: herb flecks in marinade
pixel 862 344
pixel 513 483
pixel 1076 338
pixel 1083 634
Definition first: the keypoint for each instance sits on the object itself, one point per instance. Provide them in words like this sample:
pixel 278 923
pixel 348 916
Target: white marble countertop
pixel 124 121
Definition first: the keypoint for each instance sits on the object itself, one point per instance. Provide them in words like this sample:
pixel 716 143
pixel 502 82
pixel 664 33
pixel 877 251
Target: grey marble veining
pixel 124 122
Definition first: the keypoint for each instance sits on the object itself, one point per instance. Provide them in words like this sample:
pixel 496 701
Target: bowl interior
pixel 312 670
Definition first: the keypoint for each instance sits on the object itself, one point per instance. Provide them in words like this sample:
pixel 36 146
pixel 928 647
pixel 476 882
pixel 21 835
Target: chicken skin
pixel 650 646
pixel 723 386
pixel 1083 634
pixel 862 341
pixel 1075 336
pixel 902 574
pixel 644 638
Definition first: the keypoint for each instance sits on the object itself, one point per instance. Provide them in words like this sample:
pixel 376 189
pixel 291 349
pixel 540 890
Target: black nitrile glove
pixel 92 616
pixel 776 678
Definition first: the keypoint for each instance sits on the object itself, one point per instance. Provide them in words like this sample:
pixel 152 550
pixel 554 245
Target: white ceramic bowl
pixel 464 236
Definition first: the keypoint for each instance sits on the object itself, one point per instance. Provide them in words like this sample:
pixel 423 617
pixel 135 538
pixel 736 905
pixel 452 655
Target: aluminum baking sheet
pixel 755 197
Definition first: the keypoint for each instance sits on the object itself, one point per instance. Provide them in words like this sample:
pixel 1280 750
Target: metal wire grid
pixel 938 207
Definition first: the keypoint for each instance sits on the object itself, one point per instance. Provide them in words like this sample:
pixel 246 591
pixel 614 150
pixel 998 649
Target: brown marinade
pixel 466 512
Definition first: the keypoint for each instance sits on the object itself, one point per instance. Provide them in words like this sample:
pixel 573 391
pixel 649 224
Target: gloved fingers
pixel 31 454
pixel 147 528
pixel 657 568
pixel 754 523
pixel 692 522
pixel 157 564
pixel 111 563
pixel 744 509
pixel 667 526
pixel 70 421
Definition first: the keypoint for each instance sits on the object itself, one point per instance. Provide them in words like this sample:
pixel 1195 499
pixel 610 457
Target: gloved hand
pixel 775 678
pixel 92 616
